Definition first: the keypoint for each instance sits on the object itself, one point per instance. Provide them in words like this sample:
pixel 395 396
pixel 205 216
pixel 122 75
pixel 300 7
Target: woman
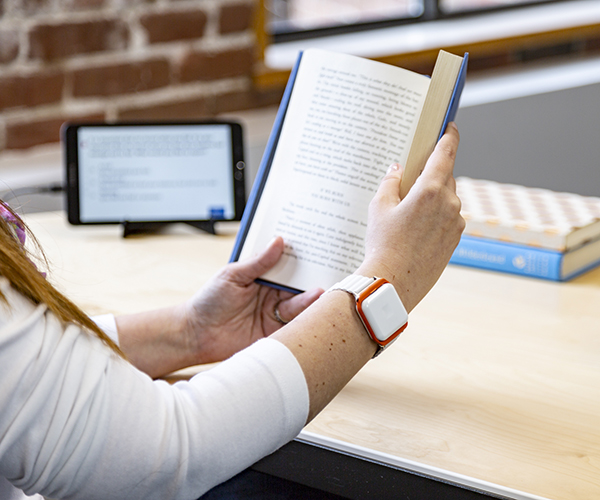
pixel 77 420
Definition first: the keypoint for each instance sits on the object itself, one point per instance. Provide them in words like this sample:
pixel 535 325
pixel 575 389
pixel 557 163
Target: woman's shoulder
pixel 9 492
pixel 15 307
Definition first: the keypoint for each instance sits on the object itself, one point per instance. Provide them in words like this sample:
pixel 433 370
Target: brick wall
pixel 118 60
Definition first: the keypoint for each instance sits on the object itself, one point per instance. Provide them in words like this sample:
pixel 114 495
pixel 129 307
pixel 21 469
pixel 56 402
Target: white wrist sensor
pixel 378 306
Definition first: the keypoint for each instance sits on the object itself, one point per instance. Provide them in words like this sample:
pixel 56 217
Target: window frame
pixel 484 54
pixel 431 12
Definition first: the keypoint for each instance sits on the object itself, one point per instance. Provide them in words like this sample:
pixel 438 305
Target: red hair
pixel 17 267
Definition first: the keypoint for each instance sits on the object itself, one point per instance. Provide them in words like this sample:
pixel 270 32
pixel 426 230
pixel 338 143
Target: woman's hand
pixel 410 241
pixel 228 314
pixel 232 310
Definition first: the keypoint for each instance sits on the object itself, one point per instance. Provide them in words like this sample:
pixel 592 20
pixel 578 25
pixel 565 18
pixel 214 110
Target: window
pixel 496 33
pixel 293 19
pixel 293 16
pixel 454 6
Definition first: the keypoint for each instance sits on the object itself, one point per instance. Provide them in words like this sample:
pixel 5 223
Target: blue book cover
pixel 455 99
pixel 265 165
pixel 525 261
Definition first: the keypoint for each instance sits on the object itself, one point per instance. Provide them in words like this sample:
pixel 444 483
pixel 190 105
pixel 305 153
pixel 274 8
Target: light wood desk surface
pixel 497 377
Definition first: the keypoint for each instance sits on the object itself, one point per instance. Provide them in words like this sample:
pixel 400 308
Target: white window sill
pixel 445 33
pixel 531 80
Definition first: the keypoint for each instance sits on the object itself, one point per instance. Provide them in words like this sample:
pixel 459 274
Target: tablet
pixel 154 172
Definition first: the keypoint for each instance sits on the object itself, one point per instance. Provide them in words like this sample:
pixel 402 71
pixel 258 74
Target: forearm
pixel 330 344
pixel 153 340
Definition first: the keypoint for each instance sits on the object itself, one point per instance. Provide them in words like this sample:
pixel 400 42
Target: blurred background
pixel 530 112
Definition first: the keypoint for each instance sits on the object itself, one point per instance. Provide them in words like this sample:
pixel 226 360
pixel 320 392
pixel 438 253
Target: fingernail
pixel 393 167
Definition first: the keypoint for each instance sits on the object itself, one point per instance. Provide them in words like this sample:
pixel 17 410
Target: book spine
pixel 455 99
pixel 265 165
pixel 508 258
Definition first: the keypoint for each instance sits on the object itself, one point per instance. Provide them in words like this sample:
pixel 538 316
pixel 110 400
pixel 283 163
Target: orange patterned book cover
pixel 528 216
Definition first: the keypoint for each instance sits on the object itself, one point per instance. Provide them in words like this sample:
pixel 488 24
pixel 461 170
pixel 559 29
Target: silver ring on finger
pixel 277 315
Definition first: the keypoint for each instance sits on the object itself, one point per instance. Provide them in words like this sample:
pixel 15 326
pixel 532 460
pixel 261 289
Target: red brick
pixel 246 99
pixel 32 90
pixel 34 6
pixel 25 134
pixel 121 78
pixel 83 4
pixel 212 66
pixel 194 108
pixel 235 18
pixel 9 46
pixel 203 107
pixel 176 25
pixel 55 41
pixel 231 101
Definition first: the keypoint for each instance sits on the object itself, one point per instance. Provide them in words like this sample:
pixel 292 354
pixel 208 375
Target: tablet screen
pixel 155 173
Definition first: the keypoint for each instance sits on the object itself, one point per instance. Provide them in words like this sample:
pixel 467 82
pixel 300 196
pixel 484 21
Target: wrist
pixel 206 340
pixel 399 278
pixel 155 341
pixel 378 306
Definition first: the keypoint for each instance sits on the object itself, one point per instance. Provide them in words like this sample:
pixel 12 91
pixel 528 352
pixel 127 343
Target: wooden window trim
pixel 484 54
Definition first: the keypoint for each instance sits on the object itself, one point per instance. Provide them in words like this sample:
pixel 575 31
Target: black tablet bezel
pixel 69 137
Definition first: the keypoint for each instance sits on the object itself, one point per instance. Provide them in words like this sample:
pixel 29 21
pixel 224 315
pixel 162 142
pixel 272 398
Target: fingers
pixel 290 308
pixel 389 188
pixel 440 165
pixel 451 184
pixel 247 271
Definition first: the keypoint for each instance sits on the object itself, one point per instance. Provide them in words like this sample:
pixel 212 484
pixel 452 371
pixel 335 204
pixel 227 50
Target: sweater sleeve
pixel 108 324
pixel 77 421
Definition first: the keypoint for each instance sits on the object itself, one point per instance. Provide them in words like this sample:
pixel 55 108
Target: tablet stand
pixel 133 228
pixel 204 225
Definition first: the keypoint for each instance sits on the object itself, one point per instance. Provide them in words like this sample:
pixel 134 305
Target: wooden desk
pixel 497 377
pixel 103 272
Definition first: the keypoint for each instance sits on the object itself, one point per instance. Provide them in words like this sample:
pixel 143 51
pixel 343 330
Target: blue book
pixel 525 260
pixel 341 122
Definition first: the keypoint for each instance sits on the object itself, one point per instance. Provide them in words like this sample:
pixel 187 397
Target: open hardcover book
pixel 342 121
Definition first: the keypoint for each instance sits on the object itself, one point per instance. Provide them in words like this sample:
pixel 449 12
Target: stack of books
pixel 527 231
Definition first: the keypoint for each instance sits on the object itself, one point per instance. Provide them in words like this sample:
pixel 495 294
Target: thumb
pixel 389 189
pixel 248 270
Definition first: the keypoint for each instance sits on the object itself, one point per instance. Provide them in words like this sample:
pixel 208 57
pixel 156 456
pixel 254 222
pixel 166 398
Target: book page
pixel 347 120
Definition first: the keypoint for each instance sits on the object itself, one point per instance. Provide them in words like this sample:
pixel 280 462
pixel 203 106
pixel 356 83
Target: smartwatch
pixel 378 306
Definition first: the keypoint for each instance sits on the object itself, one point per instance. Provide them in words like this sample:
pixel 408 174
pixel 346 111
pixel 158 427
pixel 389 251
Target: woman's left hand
pixel 232 311
pixel 228 314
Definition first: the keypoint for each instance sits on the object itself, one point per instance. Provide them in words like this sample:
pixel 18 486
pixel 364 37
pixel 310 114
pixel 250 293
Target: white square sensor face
pixel 384 311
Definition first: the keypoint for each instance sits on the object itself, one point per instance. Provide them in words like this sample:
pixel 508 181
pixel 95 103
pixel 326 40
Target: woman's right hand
pixel 410 241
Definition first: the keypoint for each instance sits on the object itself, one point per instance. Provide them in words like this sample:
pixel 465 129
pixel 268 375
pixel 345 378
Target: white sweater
pixel 76 421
